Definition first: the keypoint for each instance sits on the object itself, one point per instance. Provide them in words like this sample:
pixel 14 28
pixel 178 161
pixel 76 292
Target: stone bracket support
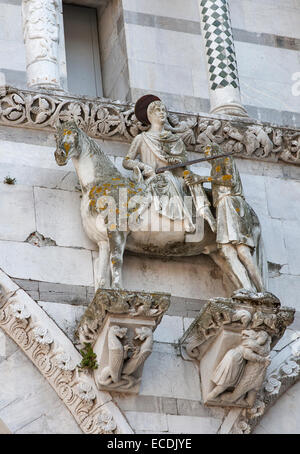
pixel 119 324
pixel 231 341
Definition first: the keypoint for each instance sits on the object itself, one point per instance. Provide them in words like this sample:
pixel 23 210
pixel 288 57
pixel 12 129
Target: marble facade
pixel 45 251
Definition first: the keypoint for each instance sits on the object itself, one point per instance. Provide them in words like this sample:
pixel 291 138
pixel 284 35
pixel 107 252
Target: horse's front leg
pixel 117 242
pixel 102 268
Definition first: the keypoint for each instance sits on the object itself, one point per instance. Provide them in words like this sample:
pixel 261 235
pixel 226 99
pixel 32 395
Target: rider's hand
pixel 192 179
pixel 172 160
pixel 148 171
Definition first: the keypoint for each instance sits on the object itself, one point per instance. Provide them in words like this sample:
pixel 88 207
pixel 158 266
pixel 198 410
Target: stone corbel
pixel 119 325
pixel 231 341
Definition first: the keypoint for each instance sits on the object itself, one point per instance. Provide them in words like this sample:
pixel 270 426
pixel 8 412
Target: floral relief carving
pixel 113 120
pixel 76 389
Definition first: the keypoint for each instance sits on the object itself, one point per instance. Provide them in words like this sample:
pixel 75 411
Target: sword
pixel 188 163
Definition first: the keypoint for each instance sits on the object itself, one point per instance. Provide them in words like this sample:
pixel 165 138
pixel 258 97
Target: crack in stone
pixel 37 239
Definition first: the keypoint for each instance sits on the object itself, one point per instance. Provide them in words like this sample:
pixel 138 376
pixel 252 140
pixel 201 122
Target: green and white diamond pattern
pixel 219 45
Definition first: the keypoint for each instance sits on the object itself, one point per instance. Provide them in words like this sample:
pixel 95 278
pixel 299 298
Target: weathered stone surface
pixel 54 221
pixel 56 358
pixel 169 330
pixel 152 404
pixel 25 401
pixel 65 315
pixel 168 375
pixel 16 211
pixel 196 279
pixel 147 421
pixel 50 264
pixel 59 293
pixel 3 428
pixel 192 424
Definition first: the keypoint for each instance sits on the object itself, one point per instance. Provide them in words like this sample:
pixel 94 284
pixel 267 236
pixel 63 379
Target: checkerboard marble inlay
pixel 219 45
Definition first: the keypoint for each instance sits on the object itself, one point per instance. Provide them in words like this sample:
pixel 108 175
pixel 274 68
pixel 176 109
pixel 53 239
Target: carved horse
pixel 100 179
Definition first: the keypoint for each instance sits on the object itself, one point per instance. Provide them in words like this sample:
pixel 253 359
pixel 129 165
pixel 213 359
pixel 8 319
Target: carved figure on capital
pixel 231 341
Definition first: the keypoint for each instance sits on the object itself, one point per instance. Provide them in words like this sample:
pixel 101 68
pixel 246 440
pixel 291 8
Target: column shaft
pixel 222 69
pixel 41 35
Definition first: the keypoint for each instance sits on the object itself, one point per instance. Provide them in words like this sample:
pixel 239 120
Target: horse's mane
pixel 103 164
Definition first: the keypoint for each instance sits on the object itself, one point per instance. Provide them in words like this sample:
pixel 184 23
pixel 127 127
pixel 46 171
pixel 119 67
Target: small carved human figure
pixel 254 347
pixel 238 228
pixel 159 147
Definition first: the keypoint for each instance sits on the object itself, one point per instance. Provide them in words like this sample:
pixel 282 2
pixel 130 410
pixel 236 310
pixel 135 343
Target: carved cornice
pixel 103 119
pixel 56 358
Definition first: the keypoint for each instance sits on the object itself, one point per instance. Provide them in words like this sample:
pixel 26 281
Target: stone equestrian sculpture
pixel 119 212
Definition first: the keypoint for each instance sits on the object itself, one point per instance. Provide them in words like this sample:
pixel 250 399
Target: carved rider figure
pixel 237 223
pixel 156 148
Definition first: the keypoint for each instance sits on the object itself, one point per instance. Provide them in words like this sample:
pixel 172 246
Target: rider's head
pixel 156 112
pixel 141 108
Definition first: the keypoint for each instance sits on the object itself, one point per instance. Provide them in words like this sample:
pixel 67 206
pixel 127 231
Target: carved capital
pixel 119 324
pixel 231 340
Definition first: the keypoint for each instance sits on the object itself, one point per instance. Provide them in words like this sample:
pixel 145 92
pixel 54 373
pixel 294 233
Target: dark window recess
pixel 82 50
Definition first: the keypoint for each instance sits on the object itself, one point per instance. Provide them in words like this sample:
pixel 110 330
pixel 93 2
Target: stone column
pixel 224 87
pixel 41 19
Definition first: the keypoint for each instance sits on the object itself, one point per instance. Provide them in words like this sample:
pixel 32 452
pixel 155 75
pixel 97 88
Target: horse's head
pixel 67 139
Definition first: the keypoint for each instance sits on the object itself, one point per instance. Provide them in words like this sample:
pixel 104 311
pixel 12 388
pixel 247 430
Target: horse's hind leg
pixel 102 270
pixel 117 241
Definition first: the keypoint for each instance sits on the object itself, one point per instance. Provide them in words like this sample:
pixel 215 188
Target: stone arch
pixel 56 358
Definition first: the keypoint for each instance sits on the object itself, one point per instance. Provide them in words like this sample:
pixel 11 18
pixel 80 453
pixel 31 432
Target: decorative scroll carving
pixel 90 408
pixel 231 339
pixel 41 36
pixel 109 120
pixel 120 324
